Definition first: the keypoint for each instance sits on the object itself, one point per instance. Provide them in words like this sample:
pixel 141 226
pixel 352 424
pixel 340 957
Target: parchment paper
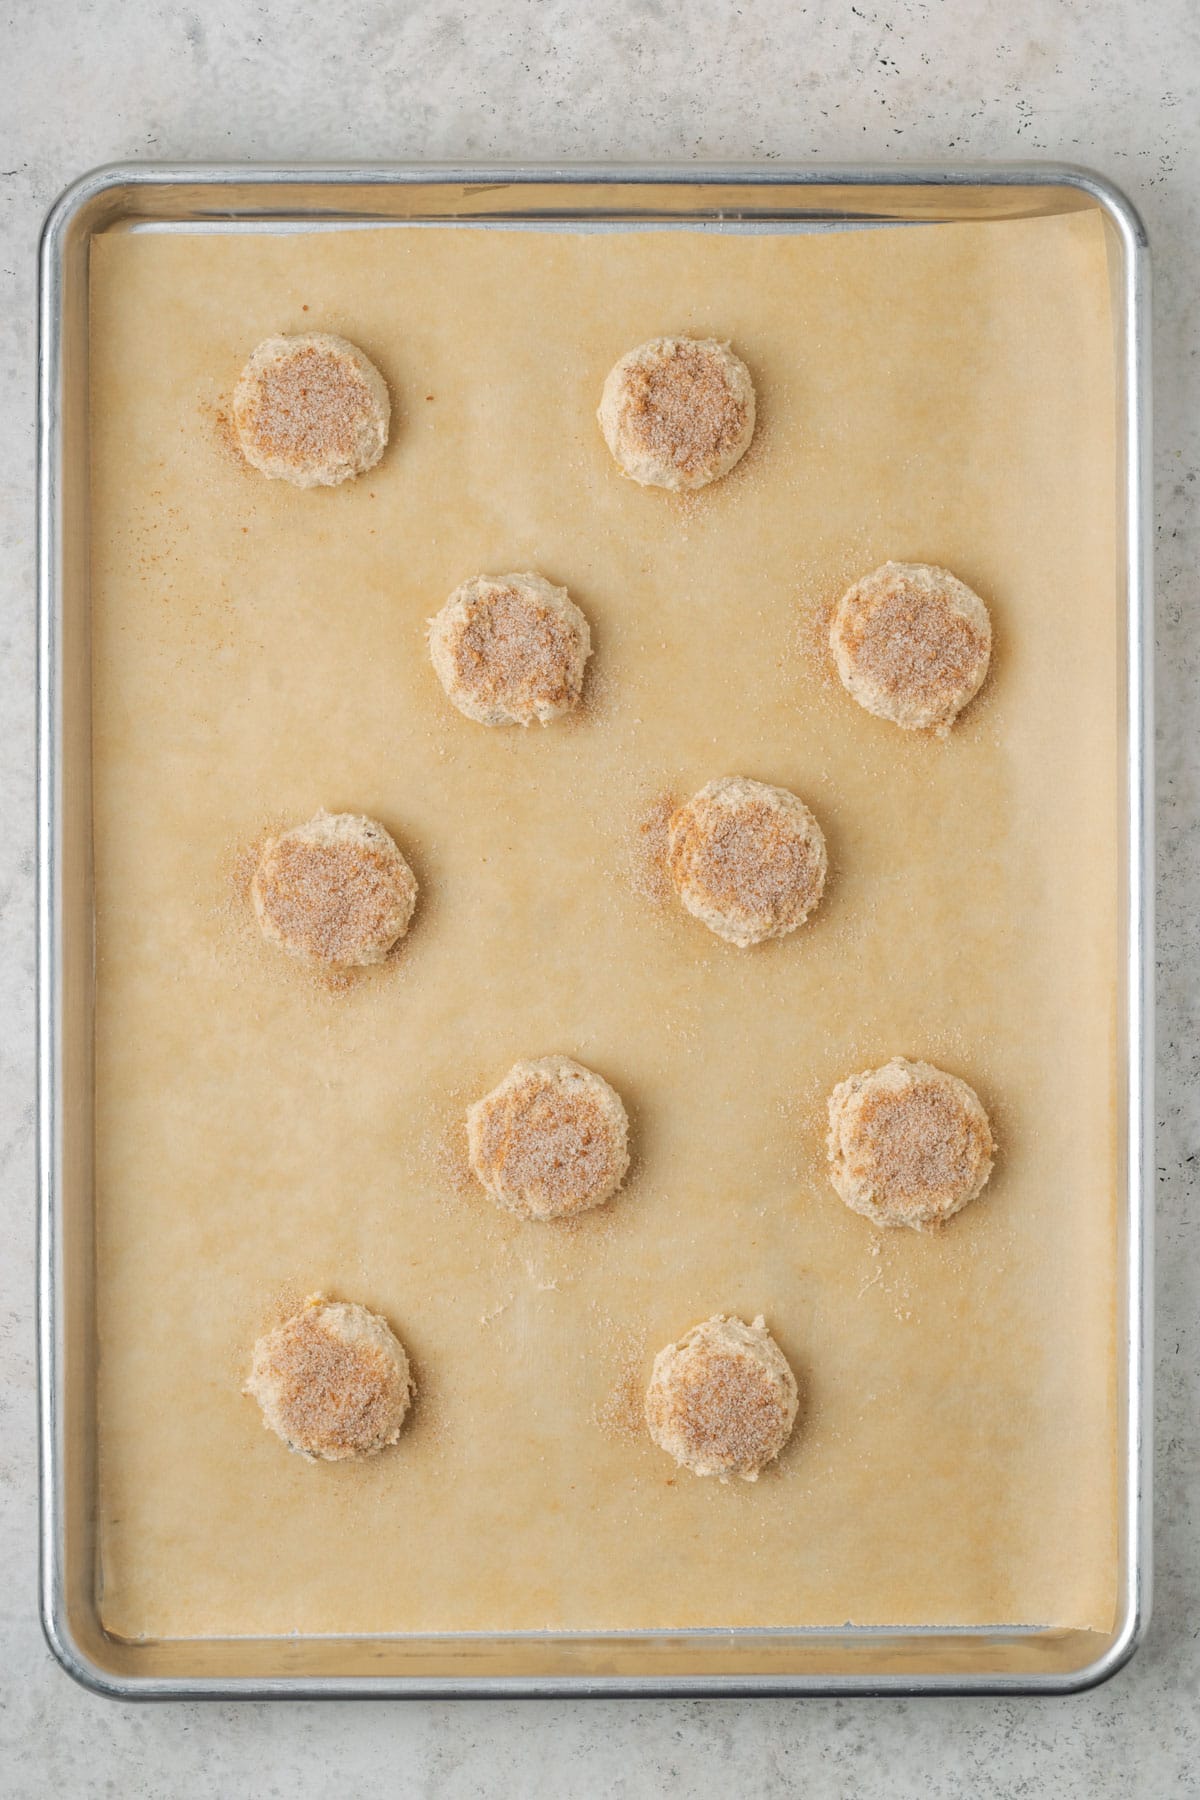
pixel 934 393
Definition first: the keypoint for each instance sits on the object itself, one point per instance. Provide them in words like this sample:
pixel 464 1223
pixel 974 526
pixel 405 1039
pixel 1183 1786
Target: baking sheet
pixel 939 393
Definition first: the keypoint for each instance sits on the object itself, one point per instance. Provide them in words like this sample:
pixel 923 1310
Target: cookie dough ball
pixel 550 1141
pixel 678 412
pixel 908 1144
pixel 311 410
pixel 509 649
pixel 336 892
pixel 722 1401
pixel 912 644
pixel 333 1381
pixel 747 860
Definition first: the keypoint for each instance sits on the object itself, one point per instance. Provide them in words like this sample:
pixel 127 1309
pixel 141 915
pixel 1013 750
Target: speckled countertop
pixel 1110 83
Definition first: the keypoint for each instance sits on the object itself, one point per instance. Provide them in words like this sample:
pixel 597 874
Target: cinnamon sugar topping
pixel 309 407
pixel 519 654
pixel 312 410
pixel 747 859
pixel 909 1144
pixel 551 1140
pixel 332 1380
pixel 923 1147
pixel 335 892
pixel 682 409
pixel 912 644
pixel 722 1401
pixel 752 859
pixel 678 412
pixel 510 650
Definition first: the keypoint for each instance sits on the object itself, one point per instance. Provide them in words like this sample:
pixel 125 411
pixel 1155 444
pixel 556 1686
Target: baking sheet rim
pixel 69 219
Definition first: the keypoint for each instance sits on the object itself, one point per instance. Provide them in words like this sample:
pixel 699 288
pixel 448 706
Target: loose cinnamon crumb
pixel 451 1157
pixel 226 438
pixel 243 866
pixel 812 643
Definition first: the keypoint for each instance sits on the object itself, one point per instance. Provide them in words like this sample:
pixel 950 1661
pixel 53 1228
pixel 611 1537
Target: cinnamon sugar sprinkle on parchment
pixel 224 434
pixel 620 1413
pixel 649 846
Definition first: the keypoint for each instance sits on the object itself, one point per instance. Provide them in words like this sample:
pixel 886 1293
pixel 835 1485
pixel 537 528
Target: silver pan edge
pixel 747 1662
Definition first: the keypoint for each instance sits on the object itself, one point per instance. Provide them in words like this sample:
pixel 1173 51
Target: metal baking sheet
pixel 748 1661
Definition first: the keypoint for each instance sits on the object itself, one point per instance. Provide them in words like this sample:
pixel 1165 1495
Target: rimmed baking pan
pixel 97 1536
